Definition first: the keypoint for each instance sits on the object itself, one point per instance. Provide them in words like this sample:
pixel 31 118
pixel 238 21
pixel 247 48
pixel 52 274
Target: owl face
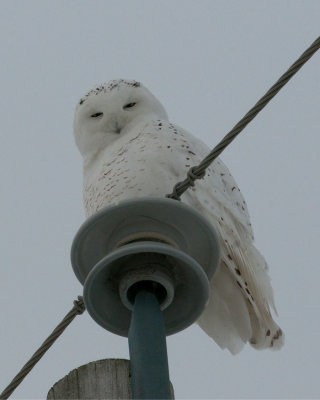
pixel 106 113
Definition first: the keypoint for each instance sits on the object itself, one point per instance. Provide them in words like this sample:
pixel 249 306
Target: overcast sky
pixel 208 62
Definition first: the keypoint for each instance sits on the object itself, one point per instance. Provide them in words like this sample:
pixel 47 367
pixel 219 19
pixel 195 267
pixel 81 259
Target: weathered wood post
pixel 145 265
pixel 103 379
pixel 99 380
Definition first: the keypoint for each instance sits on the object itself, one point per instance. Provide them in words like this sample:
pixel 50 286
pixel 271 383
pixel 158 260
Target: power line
pixel 199 171
pixel 77 309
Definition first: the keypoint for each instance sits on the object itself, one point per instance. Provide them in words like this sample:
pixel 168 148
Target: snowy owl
pixel 130 149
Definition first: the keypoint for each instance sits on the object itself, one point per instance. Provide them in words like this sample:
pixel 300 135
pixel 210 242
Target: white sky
pixel 208 62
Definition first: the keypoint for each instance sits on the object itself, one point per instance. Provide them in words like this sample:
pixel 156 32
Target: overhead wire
pixel 77 309
pixel 199 171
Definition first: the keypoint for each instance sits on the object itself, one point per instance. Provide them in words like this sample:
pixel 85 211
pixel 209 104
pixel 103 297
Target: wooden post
pixel 104 379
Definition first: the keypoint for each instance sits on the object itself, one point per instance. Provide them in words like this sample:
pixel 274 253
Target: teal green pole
pixel 148 349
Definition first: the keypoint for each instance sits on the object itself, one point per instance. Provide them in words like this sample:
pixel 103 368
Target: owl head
pixel 108 111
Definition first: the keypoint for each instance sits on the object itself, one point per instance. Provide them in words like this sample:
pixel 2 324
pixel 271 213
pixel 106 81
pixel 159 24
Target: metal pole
pixel 148 349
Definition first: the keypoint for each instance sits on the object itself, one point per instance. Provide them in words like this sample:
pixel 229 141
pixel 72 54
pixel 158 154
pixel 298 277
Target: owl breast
pixel 141 163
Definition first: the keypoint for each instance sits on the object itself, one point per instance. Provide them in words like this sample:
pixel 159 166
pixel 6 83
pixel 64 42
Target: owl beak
pixel 118 129
pixel 114 126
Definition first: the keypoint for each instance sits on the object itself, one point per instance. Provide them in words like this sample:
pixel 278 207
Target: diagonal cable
pixel 198 172
pixel 77 309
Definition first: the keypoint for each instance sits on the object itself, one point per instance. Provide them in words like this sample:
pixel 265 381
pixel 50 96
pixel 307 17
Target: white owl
pixel 130 149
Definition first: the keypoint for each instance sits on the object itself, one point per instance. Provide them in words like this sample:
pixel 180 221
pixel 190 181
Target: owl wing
pixel 241 294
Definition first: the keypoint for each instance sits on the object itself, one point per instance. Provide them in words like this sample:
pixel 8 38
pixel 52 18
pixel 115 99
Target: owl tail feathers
pixel 266 334
pixel 231 322
pixel 226 319
pixel 265 331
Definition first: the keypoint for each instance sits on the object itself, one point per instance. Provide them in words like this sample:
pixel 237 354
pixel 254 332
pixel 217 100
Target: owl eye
pixel 129 105
pixel 98 114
